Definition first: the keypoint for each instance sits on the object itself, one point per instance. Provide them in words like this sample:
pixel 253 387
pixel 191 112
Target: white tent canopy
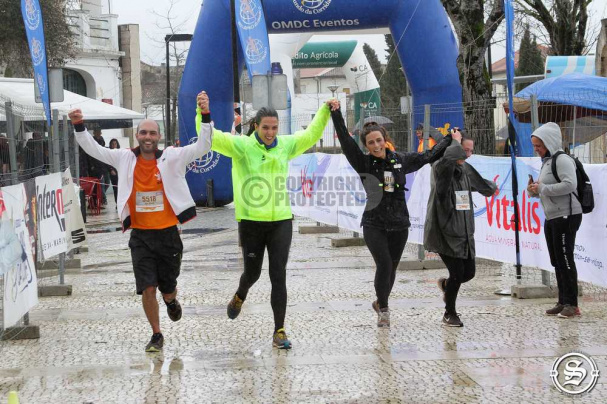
pixel 21 92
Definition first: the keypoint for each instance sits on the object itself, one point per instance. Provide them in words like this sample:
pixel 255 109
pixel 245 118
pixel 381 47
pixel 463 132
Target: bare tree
pixel 168 22
pixel 475 22
pixel 564 24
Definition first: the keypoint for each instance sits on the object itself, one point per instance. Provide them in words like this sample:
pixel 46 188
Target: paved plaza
pixel 91 348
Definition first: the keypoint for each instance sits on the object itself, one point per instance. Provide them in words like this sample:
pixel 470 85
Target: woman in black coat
pixel 385 221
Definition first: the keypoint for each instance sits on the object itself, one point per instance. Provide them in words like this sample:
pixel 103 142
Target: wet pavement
pixel 92 343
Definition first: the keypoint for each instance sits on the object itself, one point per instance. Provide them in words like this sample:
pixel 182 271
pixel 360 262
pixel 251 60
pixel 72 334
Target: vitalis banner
pixel 323 183
pixel 494 233
pixel 51 217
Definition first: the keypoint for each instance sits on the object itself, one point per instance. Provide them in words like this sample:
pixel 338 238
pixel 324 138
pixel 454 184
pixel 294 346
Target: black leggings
pixel 255 237
pixel 460 271
pixel 560 239
pixel 386 247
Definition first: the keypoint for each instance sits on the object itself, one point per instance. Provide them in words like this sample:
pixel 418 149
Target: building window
pixel 74 82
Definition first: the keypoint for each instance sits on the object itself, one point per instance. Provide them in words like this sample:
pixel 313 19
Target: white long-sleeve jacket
pixel 172 163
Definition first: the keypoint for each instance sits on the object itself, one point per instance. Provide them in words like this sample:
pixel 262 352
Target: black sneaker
pixel 234 306
pixel 155 344
pixel 452 320
pixel 174 309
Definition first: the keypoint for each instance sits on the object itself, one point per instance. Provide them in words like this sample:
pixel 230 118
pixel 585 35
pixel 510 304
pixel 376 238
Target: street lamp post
pixel 167 40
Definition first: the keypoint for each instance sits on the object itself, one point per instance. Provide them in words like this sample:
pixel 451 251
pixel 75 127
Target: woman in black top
pixel 385 221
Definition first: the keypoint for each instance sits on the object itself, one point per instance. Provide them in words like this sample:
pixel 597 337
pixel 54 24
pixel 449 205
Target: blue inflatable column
pixel 209 68
pixel 428 52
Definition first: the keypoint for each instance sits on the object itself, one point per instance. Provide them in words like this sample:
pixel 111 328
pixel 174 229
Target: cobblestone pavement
pixel 91 348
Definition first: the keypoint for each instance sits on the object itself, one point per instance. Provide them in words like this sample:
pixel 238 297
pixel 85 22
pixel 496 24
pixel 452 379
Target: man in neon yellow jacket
pixel 260 165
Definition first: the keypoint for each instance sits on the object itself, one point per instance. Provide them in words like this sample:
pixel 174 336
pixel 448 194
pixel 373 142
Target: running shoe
pixel 280 340
pixel 174 310
pixel 235 306
pixel 155 344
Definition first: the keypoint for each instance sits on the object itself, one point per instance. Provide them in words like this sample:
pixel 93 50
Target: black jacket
pixel 447 230
pixel 384 210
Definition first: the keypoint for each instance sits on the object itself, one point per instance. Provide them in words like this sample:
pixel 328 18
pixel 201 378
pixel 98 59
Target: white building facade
pixel 95 72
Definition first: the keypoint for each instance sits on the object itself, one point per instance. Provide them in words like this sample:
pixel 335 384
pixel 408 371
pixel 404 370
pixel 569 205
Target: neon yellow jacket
pixel 259 175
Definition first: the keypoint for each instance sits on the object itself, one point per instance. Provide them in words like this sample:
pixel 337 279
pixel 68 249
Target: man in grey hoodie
pixel 563 215
pixel 449 226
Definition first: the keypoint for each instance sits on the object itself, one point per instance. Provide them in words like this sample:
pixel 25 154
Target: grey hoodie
pixel 556 197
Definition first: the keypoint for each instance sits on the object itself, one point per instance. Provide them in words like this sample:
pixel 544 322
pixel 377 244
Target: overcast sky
pixel 186 12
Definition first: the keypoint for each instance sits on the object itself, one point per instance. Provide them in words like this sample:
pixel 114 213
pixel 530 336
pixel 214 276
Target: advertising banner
pixel 32 18
pixel 494 233
pixel 326 188
pixel 74 223
pixel 51 217
pixel 253 35
pixel 20 282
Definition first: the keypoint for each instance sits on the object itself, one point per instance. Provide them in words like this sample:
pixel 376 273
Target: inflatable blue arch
pixel 427 49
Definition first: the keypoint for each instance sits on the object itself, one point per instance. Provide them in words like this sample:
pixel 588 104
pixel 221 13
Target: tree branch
pixel 493 21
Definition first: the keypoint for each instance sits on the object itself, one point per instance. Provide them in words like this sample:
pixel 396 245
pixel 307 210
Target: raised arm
pixel 89 145
pixel 478 183
pixel 355 156
pixel 413 161
pixel 307 138
pixel 222 142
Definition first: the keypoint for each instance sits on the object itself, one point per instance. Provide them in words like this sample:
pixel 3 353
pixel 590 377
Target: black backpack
pixel 584 187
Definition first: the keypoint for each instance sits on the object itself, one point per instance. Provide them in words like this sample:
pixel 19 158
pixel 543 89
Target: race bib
pixel 462 200
pixel 388 181
pixel 149 201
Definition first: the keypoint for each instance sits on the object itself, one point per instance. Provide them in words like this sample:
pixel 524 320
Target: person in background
pixel 389 142
pixel 113 173
pixel 4 160
pixel 449 226
pixel 103 169
pixel 468 145
pixel 563 214
pixel 419 132
pixel 35 156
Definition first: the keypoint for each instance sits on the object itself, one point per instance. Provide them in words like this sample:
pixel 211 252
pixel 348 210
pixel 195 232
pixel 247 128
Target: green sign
pixel 371 103
pixel 324 54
